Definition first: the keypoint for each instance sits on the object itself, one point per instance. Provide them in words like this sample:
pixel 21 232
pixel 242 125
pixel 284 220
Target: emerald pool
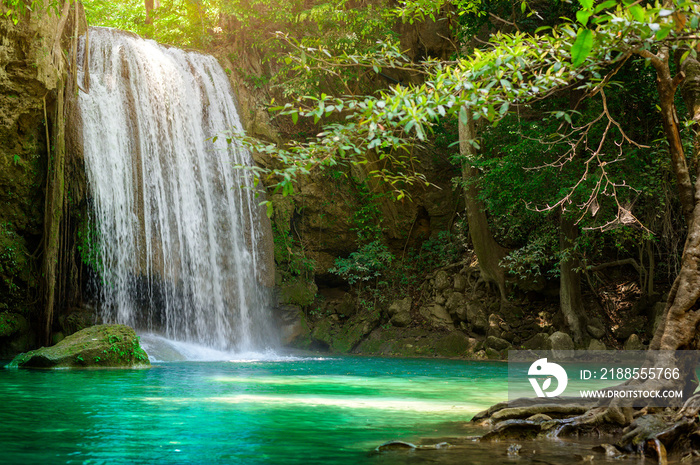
pixel 283 410
pixel 278 410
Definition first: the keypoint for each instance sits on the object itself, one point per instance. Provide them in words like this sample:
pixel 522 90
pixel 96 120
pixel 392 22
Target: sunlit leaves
pixel 514 69
pixel 582 47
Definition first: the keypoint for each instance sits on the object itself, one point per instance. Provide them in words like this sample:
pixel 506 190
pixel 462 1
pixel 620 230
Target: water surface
pixel 288 410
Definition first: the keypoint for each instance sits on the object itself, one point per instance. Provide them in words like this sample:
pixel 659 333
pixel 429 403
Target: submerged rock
pixel 395 445
pixel 97 346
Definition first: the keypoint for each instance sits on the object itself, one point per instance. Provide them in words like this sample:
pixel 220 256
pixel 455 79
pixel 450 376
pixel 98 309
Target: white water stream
pixel 175 237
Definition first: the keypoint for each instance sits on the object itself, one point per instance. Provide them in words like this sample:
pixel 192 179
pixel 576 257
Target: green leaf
pixel 604 5
pixel 295 117
pixel 587 4
pixel 684 56
pixel 663 32
pixel 583 15
pixel 582 47
pixel 638 13
pixel 270 209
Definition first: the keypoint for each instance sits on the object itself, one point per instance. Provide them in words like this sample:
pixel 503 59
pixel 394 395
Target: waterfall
pixel 173 225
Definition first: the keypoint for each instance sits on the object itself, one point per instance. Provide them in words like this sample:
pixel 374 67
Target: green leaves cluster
pixel 368 263
pixel 17 9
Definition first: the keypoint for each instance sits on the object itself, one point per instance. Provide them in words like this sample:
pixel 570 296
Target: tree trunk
pixel 682 316
pixel 150 6
pixel 666 85
pixel 489 253
pixel 54 214
pixel 570 280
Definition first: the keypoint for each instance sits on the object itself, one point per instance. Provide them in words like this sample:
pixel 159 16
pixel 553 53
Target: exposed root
pixel 653 432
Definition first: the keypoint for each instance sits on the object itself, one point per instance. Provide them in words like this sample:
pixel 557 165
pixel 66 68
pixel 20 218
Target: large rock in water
pixel 97 346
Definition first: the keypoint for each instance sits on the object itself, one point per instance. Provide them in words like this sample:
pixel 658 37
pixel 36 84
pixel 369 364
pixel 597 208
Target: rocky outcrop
pixel 400 312
pixel 103 346
pixel 339 337
pixel 437 316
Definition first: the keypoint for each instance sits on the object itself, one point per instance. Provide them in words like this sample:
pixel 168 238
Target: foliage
pixel 533 260
pixel 443 249
pixel 89 243
pixel 16 9
pixel 515 69
pixel 368 264
pixel 13 263
pixel 289 254
pixel 366 221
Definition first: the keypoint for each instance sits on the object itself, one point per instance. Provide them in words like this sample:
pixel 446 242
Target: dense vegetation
pixel 549 117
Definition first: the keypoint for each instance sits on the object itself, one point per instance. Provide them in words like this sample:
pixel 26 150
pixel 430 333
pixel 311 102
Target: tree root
pixel 653 432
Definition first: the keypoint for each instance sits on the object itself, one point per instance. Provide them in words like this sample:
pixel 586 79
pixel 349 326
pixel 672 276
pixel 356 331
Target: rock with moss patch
pixel 352 333
pixel 477 318
pixel 456 306
pixel 454 344
pixel 596 329
pixel 299 292
pixel 294 330
pixel 98 346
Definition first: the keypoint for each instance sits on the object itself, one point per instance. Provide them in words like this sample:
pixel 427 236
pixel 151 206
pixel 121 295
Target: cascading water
pixel 174 224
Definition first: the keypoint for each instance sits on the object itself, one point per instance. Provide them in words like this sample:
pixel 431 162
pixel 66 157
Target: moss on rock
pixel 11 324
pixel 98 346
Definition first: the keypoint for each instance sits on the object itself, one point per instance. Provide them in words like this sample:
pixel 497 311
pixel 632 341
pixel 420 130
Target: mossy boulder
pixel 101 346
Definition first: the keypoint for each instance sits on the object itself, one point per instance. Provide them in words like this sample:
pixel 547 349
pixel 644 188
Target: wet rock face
pixel 23 85
pixel 294 330
pixel 29 76
pixel 103 346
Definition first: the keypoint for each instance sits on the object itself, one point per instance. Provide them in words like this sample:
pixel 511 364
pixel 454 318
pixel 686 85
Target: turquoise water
pixel 290 411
